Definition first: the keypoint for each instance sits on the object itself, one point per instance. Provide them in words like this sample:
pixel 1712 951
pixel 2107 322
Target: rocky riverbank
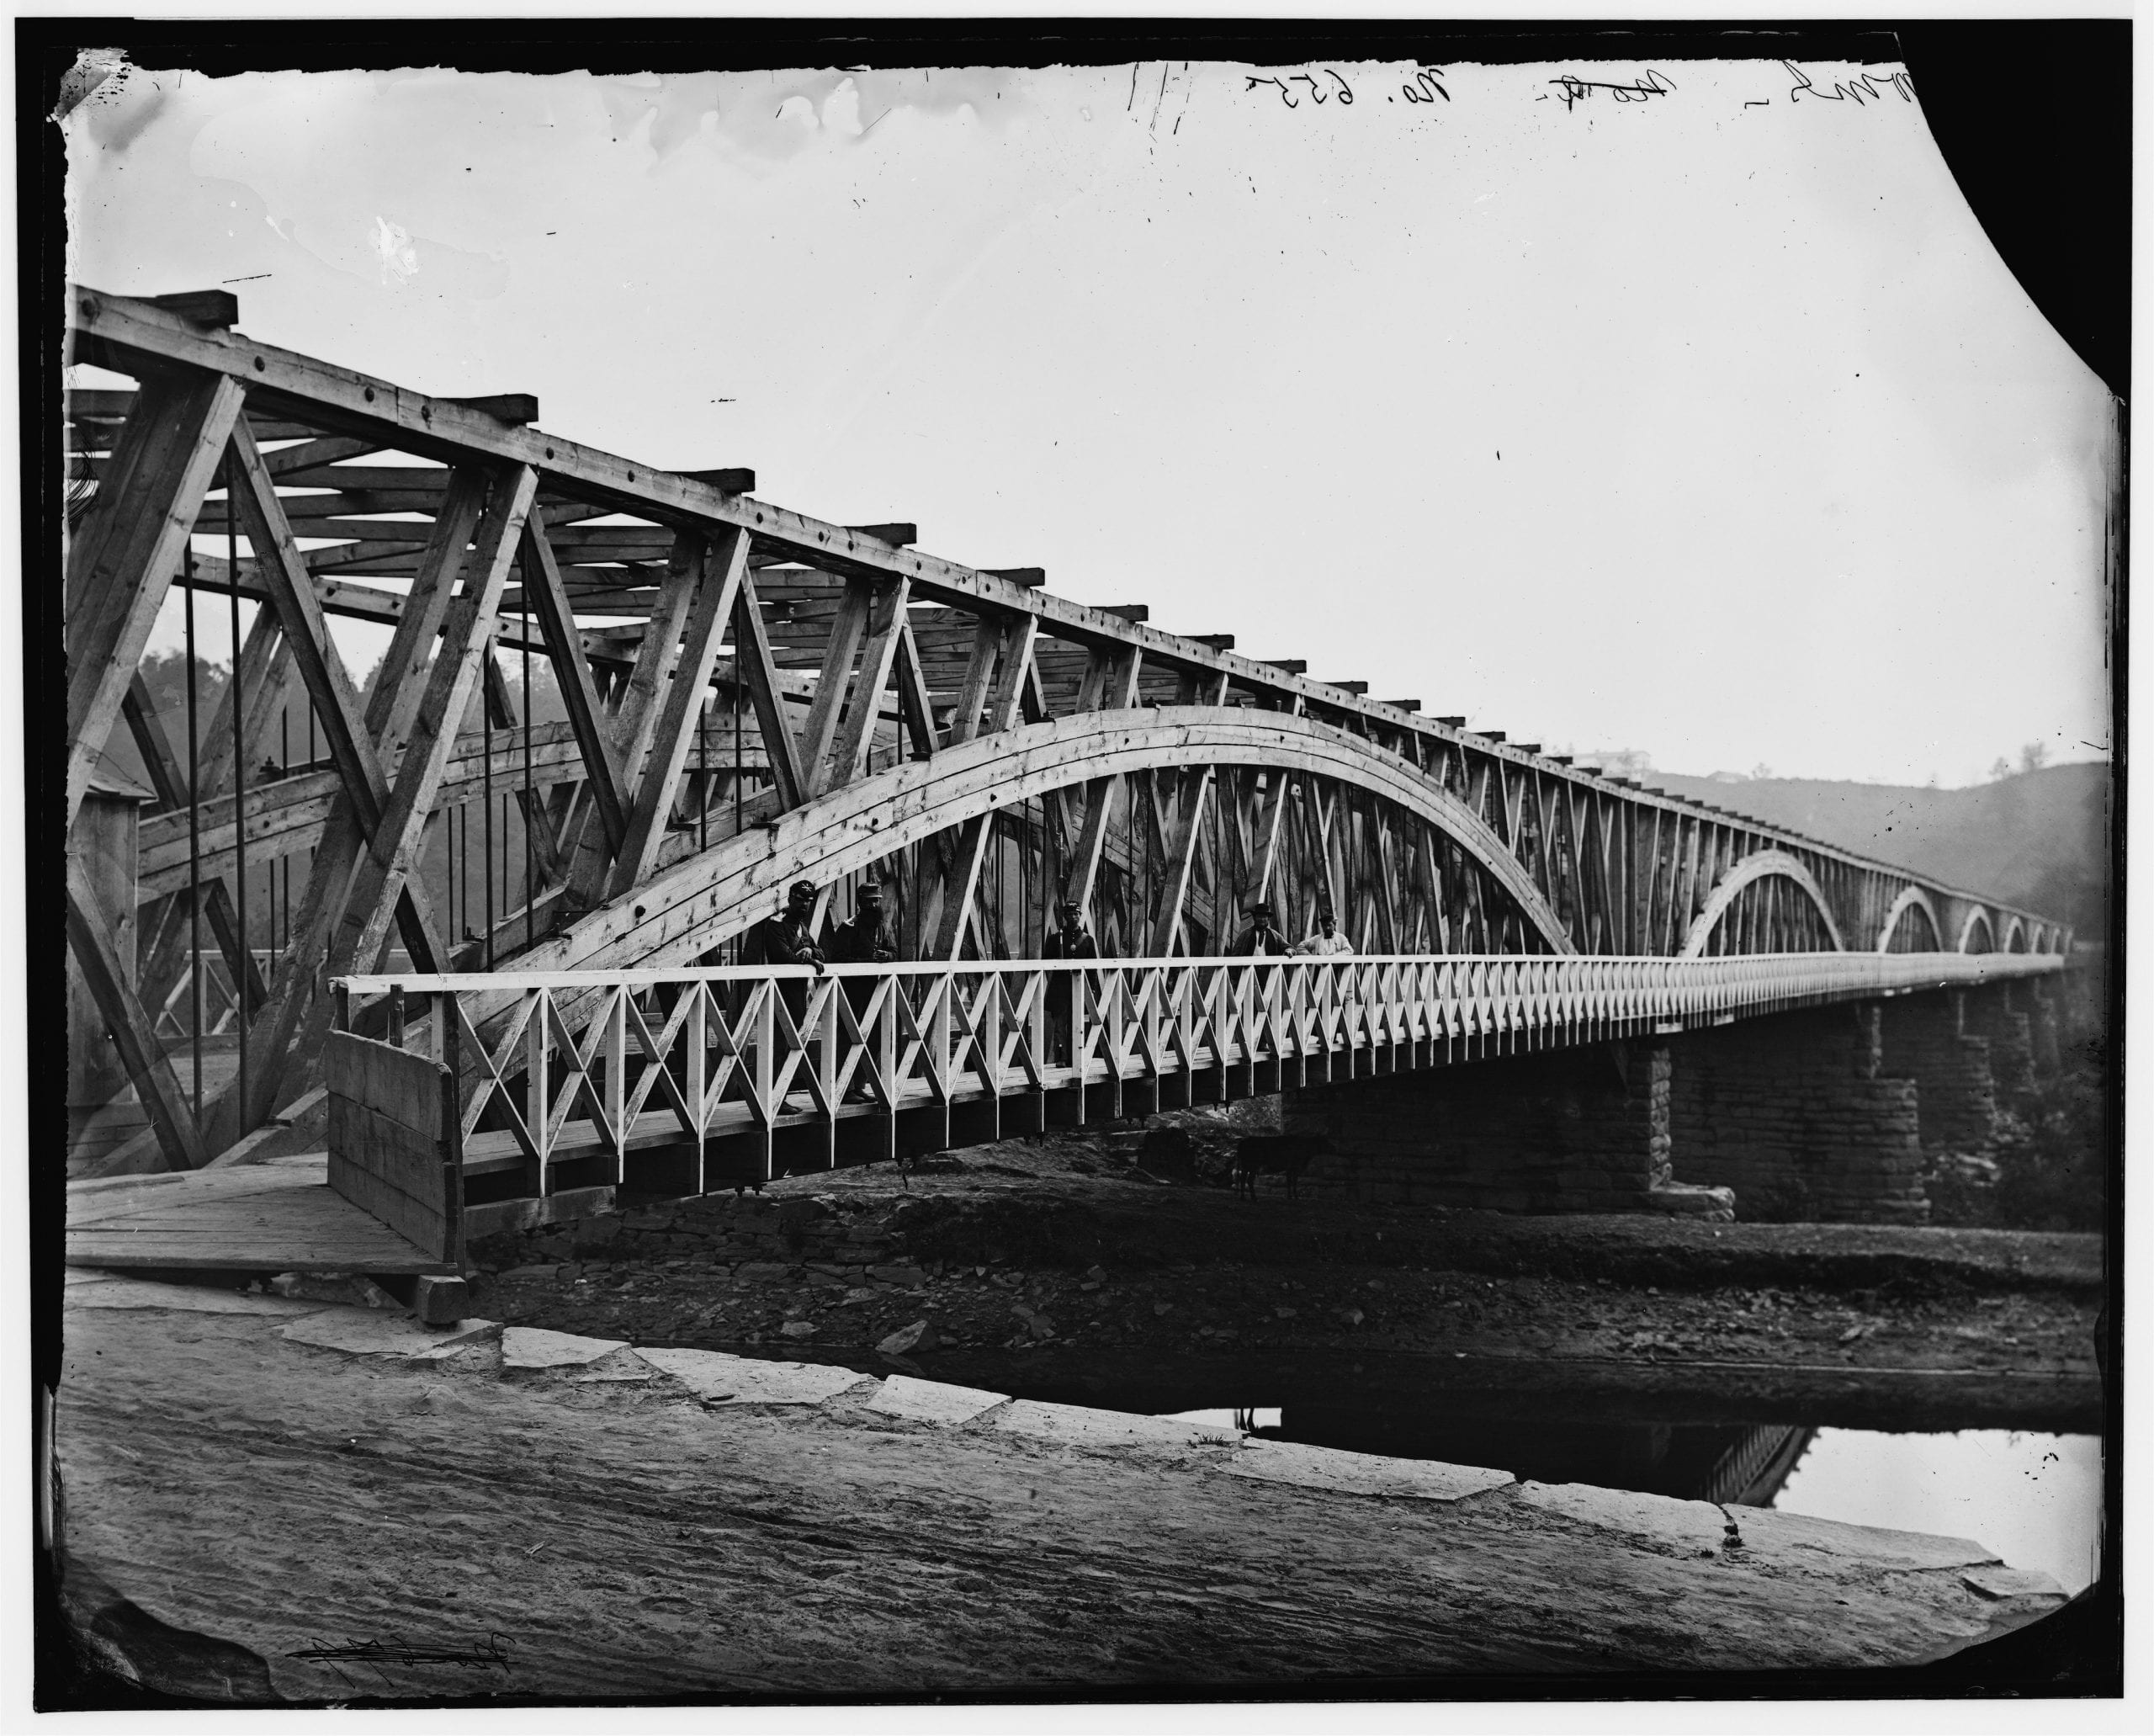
pixel 262 1499
pixel 1051 1266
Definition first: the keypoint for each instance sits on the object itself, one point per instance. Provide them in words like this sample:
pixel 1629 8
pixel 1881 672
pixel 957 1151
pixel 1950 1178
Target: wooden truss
pixel 980 746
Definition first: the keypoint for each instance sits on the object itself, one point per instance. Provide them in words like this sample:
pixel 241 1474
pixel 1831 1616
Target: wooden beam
pixel 1181 848
pixel 752 657
pixel 121 564
pixel 1006 645
pixel 636 714
pixel 724 581
pixel 386 866
pixel 839 650
pixel 89 931
pixel 358 756
pixel 886 623
pixel 914 707
pixel 579 693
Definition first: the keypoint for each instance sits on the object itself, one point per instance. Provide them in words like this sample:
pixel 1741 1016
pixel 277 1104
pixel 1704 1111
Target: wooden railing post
pixel 695 1033
pixel 538 1091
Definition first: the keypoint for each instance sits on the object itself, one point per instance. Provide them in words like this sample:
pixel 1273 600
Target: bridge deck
pixel 281 1216
pixel 563 1088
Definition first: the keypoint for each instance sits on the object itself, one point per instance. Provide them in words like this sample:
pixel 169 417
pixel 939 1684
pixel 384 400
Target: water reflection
pixel 2033 1498
pixel 1729 1461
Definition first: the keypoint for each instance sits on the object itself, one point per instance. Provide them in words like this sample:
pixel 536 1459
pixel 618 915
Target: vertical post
pixel 826 1067
pixel 886 1060
pixel 450 1055
pixel 766 1038
pixel 614 1090
pixel 538 1093
pixel 695 1034
pixel 396 1018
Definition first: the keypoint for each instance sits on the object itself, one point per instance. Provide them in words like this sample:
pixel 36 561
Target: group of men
pixel 789 938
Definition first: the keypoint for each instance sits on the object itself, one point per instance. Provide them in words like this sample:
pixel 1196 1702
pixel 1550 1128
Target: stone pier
pixel 1926 1040
pixel 2000 1015
pixel 1800 1117
pixel 1570 1130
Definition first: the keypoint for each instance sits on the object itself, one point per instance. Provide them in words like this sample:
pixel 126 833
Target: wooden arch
pixel 1763 865
pixel 1911 898
pixel 2015 935
pixel 685 911
pixel 1977 917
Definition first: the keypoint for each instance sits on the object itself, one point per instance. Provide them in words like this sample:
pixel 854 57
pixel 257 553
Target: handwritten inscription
pixel 1318 90
pixel 1574 90
pixel 1863 88
pixel 1427 86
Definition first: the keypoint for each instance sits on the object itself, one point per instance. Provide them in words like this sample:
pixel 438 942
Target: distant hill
pixel 2038 839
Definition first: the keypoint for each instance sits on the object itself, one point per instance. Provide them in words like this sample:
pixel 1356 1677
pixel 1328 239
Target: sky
pixel 1705 422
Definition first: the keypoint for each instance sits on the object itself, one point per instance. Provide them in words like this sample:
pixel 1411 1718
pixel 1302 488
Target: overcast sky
pixel 1707 423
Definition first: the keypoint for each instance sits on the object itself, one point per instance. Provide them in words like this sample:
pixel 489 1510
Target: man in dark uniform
pixel 1072 940
pixel 1264 939
pixel 785 939
pixel 862 941
pixel 788 939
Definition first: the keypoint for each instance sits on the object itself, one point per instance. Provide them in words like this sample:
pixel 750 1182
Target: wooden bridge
pixel 747 697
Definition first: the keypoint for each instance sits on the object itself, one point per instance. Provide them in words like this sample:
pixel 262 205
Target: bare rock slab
pixel 1080 1425
pixel 533 1347
pixel 1689 1527
pixel 2001 1583
pixel 192 1299
pixel 1797 1540
pixel 718 1378
pixel 1360 1473
pixel 360 1332
pixel 932 1401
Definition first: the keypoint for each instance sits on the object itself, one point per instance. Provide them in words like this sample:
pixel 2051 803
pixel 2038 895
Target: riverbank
pixel 1048 1268
pixel 268 1500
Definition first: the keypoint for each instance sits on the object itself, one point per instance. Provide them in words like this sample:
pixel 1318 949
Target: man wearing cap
pixel 788 939
pixel 863 941
pixel 1072 940
pixel 1264 939
pixel 1327 942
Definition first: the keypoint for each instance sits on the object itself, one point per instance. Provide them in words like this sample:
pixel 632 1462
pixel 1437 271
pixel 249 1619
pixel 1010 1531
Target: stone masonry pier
pixel 1830 1115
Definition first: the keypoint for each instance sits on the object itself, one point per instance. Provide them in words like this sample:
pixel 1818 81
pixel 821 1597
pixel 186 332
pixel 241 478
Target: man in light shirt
pixel 1327 941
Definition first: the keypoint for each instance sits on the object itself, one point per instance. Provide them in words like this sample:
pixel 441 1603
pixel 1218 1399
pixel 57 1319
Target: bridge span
pixel 503 1100
pixel 747 697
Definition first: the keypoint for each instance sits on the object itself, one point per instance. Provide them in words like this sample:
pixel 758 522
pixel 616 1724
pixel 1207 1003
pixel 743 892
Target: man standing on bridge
pixel 1072 940
pixel 862 941
pixel 1327 942
pixel 1264 939
pixel 788 939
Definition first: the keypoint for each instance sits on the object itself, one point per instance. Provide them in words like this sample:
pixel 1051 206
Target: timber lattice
pixel 980 745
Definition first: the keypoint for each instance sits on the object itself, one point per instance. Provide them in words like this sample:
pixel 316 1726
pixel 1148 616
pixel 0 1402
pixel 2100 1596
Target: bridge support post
pixel 1564 1130
pixel 2044 1026
pixel 1797 1114
pixel 1926 1039
pixel 1994 1011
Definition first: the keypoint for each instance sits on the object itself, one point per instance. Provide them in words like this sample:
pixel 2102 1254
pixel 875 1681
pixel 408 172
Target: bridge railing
pixel 583 1068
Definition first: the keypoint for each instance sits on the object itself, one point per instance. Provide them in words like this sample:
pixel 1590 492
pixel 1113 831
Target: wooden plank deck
pixel 280 1216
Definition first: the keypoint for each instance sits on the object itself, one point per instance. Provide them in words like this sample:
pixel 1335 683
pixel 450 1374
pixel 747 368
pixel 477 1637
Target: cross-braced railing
pixel 735 1074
